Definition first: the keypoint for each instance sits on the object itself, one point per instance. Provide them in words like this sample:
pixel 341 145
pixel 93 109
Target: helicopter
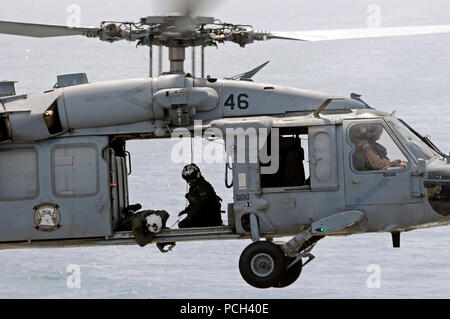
pixel 65 164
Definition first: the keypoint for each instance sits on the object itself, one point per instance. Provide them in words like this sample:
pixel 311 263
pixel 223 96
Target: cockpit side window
pixel 374 149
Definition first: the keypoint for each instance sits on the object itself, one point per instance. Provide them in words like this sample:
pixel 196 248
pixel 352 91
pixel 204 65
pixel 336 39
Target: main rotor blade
pixel 43 30
pixel 344 34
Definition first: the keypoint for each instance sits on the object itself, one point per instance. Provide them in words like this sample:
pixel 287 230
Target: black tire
pixel 290 275
pixel 262 264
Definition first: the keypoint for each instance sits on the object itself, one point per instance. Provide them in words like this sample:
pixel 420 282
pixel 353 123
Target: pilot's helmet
pixel 357 132
pixel 365 131
pixel 154 223
pixel 190 172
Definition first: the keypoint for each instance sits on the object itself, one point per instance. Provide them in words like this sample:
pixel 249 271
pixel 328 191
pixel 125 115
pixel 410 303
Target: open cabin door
pixel 119 172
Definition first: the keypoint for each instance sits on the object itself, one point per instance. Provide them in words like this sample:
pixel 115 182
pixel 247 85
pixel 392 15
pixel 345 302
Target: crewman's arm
pixel 375 160
pixel 141 235
pixel 199 203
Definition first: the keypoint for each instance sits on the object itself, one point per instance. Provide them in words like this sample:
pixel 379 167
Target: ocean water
pixel 410 75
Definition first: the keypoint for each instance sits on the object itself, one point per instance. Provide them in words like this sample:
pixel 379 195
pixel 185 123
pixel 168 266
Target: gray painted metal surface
pixel 61 166
pixel 127 238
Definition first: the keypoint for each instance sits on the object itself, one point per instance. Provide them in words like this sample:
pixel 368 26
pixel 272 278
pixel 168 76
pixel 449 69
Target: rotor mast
pixel 177 55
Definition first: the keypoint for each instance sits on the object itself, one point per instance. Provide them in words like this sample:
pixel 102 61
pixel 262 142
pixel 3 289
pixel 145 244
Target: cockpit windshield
pixel 417 146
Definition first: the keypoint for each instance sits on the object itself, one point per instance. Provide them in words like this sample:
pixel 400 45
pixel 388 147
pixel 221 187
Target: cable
pixel 178 220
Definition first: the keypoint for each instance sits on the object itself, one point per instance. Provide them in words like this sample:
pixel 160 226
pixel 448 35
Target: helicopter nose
pixel 438 187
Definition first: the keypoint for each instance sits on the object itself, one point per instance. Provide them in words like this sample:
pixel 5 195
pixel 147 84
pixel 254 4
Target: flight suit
pixel 204 206
pixel 371 156
pixel 139 225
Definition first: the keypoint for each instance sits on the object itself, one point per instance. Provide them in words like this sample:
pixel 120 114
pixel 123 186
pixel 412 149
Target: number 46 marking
pixel 242 101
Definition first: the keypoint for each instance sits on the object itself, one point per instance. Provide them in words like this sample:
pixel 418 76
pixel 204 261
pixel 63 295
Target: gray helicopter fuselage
pixel 64 163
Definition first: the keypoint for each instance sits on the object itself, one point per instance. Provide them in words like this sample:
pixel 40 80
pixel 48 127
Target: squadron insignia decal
pixel 47 217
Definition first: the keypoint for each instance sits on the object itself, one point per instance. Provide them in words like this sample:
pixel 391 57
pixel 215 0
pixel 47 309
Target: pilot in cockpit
pixel 370 155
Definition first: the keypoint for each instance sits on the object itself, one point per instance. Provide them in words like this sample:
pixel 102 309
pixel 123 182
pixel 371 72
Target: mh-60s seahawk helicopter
pixel 63 158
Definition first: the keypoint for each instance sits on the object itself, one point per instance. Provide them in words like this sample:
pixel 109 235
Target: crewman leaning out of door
pixel 204 204
pixel 146 224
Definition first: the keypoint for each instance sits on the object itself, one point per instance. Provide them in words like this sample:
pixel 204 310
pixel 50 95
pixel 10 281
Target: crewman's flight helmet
pixel 154 223
pixel 191 171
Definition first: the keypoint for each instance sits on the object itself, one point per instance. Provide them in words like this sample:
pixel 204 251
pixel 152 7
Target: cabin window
pixel 374 149
pixel 18 173
pixel 293 169
pixel 323 157
pixel 75 170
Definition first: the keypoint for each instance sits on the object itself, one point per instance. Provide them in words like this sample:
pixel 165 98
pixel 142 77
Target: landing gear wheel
pixel 290 275
pixel 262 264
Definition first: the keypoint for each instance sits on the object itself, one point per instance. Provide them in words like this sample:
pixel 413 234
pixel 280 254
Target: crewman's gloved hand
pixel 182 213
pixel 189 197
pixel 131 209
